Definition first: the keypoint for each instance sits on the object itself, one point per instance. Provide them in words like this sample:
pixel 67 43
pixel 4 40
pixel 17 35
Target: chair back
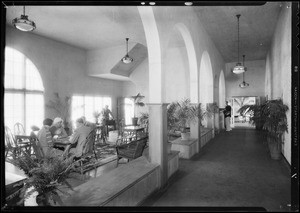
pixel 89 142
pixel 10 140
pixel 19 129
pixel 38 151
pixel 141 143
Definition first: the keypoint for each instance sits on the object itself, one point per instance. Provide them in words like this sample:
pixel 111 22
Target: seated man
pixel 78 138
pixel 45 139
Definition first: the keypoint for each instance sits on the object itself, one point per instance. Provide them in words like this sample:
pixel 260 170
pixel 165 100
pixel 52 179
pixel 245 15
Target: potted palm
pixel 45 178
pixel 275 124
pixel 137 100
pixel 182 115
pixel 62 108
pixel 144 120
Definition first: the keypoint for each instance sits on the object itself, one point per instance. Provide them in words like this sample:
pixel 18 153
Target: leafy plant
pixel 44 176
pixel 275 114
pixel 62 107
pixel 137 100
pixel 144 119
pixel 212 108
pixel 183 113
pixel 257 118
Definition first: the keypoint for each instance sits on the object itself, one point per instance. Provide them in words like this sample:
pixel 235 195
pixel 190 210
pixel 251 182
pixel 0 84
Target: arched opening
pixel 206 82
pixel 176 68
pixel 24 91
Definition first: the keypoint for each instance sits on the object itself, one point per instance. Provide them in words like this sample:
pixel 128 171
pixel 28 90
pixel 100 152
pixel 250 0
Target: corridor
pixel 232 170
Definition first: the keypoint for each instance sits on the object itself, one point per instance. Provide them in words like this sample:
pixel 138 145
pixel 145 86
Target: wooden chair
pixel 131 150
pixel 19 129
pixel 37 150
pixel 10 143
pixel 88 153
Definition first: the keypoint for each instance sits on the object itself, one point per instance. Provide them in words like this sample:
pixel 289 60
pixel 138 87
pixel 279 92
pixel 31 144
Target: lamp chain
pixel 24 10
pixel 238 16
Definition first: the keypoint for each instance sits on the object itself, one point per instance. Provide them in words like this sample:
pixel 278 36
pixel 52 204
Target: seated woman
pixel 57 130
pixel 45 140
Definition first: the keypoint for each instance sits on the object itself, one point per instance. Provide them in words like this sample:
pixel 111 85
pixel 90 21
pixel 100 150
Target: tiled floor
pixel 233 170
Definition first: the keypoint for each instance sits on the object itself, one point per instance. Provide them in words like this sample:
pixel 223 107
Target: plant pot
pixel 185 135
pixel 274 149
pixel 134 121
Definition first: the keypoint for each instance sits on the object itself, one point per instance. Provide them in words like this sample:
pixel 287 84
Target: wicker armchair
pixel 131 150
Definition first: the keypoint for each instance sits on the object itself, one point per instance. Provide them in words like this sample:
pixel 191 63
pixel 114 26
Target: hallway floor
pixel 233 170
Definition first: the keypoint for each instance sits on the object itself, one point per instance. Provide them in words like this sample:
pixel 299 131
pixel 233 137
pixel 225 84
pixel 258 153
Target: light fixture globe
pixel 239 68
pixel 23 23
pixel 243 85
pixel 126 59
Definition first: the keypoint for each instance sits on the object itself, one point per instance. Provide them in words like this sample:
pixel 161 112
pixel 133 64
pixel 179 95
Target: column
pixel 158 139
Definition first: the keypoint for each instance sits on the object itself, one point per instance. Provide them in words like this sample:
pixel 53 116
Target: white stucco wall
pixel 280 69
pixel 175 58
pixel 62 67
pixel 254 76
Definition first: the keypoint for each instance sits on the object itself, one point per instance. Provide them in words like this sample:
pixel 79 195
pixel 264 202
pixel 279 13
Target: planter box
pixel 186 148
pixel 206 136
pixel 173 159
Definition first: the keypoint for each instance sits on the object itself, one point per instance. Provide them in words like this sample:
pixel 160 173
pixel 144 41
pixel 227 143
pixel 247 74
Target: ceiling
pixel 95 27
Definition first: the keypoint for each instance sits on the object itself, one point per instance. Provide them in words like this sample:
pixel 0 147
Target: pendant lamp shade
pixel 23 23
pixel 239 68
pixel 126 59
pixel 244 84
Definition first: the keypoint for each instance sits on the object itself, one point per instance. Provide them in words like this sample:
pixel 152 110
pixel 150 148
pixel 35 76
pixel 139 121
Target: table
pixel 133 131
pixel 61 143
pixel 24 143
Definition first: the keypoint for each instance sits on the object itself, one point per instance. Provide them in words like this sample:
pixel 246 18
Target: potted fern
pixel 45 178
pixel 183 113
pixel 275 124
pixel 137 100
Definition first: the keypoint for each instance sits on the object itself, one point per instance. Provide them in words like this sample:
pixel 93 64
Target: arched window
pixel 24 91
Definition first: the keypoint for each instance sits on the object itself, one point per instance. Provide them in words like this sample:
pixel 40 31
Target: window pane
pixel 98 104
pixel 33 78
pixel 89 108
pixel 13 109
pixel 34 111
pixel 129 111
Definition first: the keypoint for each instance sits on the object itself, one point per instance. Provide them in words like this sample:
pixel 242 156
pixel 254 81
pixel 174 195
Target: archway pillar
pixel 157 109
pixel 158 139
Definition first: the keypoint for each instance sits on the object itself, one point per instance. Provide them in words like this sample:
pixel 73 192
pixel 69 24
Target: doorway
pixel 238 119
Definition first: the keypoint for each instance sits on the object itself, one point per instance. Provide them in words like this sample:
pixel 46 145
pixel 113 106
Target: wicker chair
pixel 88 153
pixel 131 150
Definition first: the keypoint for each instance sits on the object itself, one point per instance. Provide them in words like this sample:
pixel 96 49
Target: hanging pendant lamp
pixel 244 84
pixel 126 58
pixel 239 68
pixel 23 23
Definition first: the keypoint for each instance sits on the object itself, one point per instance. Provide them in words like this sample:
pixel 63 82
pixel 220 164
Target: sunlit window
pixel 24 92
pixel 87 105
pixel 129 111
